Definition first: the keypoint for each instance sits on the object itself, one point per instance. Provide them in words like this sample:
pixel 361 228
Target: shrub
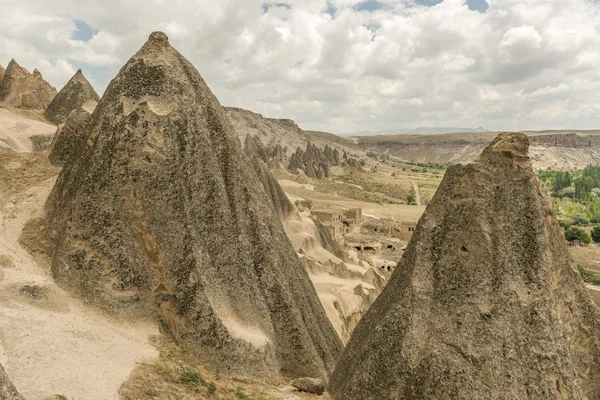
pixel 190 377
pixel 580 220
pixel 575 233
pixel 239 394
pixel 565 224
pixel 211 388
pixel 596 234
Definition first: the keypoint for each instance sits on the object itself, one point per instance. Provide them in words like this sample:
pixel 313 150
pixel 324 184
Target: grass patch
pixel 191 378
pixel 239 394
pixel 589 276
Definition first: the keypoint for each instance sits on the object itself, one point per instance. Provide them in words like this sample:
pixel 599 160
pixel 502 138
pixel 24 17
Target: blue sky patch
pixel 265 6
pixel 330 9
pixel 368 5
pixel 475 5
pixel 84 32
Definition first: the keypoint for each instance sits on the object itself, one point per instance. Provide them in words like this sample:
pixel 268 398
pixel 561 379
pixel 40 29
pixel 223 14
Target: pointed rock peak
pixel 157 118
pixel 158 39
pixel 510 145
pixel 37 73
pixel 485 286
pixel 78 93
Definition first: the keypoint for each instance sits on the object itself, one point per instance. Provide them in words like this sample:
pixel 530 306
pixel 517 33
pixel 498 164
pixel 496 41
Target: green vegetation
pixel 589 276
pixel 239 394
pixel 580 220
pixel 576 233
pixel 577 192
pixel 211 387
pixel 191 377
pixel 596 234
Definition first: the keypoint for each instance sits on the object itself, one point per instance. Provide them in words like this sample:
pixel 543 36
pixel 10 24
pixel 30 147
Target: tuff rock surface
pixel 7 389
pixel 160 214
pixel 19 88
pixel 78 93
pixel 69 138
pixel 486 302
pixel 277 197
pixel 309 385
pixel 2 71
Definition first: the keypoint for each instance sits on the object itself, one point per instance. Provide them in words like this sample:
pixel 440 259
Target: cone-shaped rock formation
pixel 7 389
pixel 486 302
pixel 162 214
pixel 2 71
pixel 69 138
pixel 77 94
pixel 19 88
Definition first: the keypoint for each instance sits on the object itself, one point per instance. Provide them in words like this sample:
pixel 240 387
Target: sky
pixel 341 65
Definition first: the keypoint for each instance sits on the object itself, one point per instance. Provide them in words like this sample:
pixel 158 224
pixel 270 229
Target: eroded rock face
pixel 19 88
pixel 2 71
pixel 161 214
pixel 69 138
pixel 7 389
pixel 486 302
pixel 279 200
pixel 77 94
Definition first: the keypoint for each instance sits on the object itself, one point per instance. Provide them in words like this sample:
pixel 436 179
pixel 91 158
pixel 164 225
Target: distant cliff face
pixel 559 150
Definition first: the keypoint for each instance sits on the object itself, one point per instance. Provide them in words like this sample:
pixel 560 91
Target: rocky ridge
pixel 486 302
pixel 163 189
pixel 22 89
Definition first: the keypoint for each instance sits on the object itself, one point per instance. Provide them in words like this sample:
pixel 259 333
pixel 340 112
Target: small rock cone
pixel 78 93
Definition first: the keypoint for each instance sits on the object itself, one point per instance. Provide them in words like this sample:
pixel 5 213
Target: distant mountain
pixel 416 131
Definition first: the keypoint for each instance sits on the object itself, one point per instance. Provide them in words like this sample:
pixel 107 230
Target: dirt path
pixel 417 194
pixel 50 343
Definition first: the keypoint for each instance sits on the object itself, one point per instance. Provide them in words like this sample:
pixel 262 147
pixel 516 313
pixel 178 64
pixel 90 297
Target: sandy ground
pixel 50 343
pixel 15 131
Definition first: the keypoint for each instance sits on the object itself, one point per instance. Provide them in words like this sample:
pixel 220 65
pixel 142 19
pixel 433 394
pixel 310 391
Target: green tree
pixel 580 220
pixel 596 234
pixel 576 233
pixel 593 210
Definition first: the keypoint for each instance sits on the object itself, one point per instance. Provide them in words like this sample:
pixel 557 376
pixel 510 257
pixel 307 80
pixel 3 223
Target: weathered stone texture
pixel 78 93
pixel 486 302
pixel 160 214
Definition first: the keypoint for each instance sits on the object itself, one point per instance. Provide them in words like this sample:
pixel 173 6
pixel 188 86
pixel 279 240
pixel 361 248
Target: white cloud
pixel 520 65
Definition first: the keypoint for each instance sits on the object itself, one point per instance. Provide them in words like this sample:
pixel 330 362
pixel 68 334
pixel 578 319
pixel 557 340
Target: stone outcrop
pixel 7 389
pixel 69 138
pixel 486 302
pixel 78 93
pixel 272 156
pixel 22 89
pixel 160 214
pixel 309 385
pixel 2 71
pixel 317 162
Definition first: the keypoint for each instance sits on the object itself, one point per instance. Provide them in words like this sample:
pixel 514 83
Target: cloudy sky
pixel 342 65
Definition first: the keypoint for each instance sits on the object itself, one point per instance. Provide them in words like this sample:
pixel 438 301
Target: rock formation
pixel 2 71
pixel 77 94
pixel 19 88
pixel 69 138
pixel 7 389
pixel 278 199
pixel 160 214
pixel 317 162
pixel 486 302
